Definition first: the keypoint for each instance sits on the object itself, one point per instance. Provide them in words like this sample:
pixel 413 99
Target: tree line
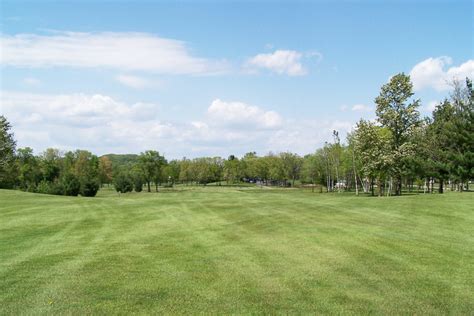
pixel 397 151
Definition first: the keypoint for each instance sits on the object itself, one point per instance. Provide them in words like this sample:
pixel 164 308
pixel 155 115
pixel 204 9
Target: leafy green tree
pixel 70 184
pixel 312 169
pixel 105 170
pixel 232 170
pixel 462 132
pixel 123 182
pixel 172 171
pixel 138 183
pixel 291 164
pixel 372 145
pixel 437 148
pixel 276 171
pixel 7 154
pixel 151 163
pixel 250 165
pixel 50 161
pixel 28 167
pixel 86 168
pixel 401 117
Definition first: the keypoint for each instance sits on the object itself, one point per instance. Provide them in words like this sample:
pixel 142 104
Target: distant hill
pixel 121 160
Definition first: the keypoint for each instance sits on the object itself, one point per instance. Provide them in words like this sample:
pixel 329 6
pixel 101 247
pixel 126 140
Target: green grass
pixel 231 250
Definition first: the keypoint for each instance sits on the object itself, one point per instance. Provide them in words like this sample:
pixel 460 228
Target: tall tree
pixel 232 171
pixel 151 163
pixel 86 168
pixel 439 141
pixel 372 145
pixel 105 170
pixel 29 171
pixel 462 134
pixel 7 154
pixel 398 114
pixel 291 166
pixel 51 164
pixel 312 169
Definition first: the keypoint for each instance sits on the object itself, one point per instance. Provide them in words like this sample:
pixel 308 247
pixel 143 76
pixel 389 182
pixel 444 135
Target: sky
pixel 207 78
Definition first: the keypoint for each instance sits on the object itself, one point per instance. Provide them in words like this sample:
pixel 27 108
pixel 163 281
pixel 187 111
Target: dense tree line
pixel 398 151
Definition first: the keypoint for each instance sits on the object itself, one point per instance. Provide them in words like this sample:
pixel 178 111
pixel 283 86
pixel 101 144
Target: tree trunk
pixel 149 187
pixel 441 186
pixel 355 174
pixel 398 191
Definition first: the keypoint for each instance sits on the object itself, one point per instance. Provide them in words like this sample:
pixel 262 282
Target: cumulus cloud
pixel 31 81
pixel 287 62
pixel 361 108
pixel 241 114
pixel 124 51
pixel 73 109
pixel 432 73
pixel 104 124
pixel 133 81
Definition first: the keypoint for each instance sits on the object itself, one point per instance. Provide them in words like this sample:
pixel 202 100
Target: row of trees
pixel 399 150
pixel 52 172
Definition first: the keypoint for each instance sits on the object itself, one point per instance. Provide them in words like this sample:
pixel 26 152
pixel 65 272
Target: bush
pixel 46 187
pixel 56 188
pixel 43 187
pixel 138 184
pixel 123 183
pixel 71 185
pixel 89 186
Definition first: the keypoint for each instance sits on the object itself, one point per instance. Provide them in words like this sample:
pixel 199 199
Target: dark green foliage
pixel 7 154
pixel 71 185
pixel 151 163
pixel 138 183
pixel 45 187
pixel 401 118
pixel 123 182
pixel 122 160
pixel 29 172
pixel 89 186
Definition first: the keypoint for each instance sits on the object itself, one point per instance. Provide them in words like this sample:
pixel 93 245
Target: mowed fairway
pixel 229 250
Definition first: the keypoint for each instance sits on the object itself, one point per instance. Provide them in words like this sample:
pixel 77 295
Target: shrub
pixel 123 183
pixel 43 187
pixel 138 184
pixel 89 186
pixel 71 185
pixel 46 187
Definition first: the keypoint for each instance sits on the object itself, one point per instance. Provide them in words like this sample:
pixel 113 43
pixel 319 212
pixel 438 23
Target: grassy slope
pixel 228 250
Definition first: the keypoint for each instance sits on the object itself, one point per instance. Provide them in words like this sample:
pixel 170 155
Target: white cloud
pixel 104 124
pixel 133 81
pixel 287 62
pixel 241 114
pixel 78 110
pixel 431 106
pixel 31 81
pixel 361 108
pixel 124 51
pixel 431 73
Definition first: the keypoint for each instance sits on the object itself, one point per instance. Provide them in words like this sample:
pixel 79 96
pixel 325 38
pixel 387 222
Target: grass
pixel 231 250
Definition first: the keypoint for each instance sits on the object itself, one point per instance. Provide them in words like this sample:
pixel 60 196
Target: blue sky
pixel 218 78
